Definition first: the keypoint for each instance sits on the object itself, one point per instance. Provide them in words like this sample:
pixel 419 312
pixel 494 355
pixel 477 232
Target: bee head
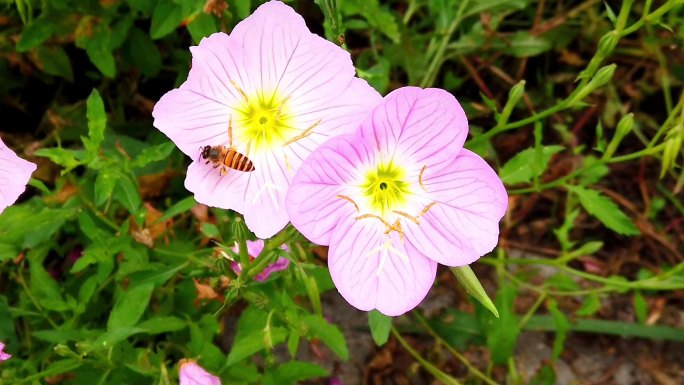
pixel 205 151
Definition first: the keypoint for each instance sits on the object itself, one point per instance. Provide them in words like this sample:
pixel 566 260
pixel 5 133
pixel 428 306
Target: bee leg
pixel 223 171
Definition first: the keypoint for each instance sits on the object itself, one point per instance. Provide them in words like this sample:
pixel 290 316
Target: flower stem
pixel 440 375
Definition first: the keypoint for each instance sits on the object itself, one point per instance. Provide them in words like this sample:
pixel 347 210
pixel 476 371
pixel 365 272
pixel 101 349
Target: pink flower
pixel 271 91
pixel 14 175
pixel 254 249
pixel 397 197
pixel 4 356
pixel 192 374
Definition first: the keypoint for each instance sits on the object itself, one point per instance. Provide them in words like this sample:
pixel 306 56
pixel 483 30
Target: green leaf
pixel 378 17
pixel 113 337
pixel 590 305
pixel 523 44
pixel 296 371
pixel 519 168
pixel 68 159
pixel 477 7
pixel 153 154
pixel 166 18
pixel 202 26
pixel 97 122
pixel 502 332
pixel 126 192
pixel 605 210
pixel 130 306
pixel 293 343
pixel 104 184
pixel 472 285
pixel 562 327
pixel 380 326
pixel 42 285
pixel 144 54
pixel 640 307
pixel 53 60
pixel 35 33
pixel 328 333
pixel 253 342
pixel 99 50
pixel 545 376
pixel 158 325
pixel 180 207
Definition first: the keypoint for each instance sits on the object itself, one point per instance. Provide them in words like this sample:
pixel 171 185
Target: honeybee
pixel 227 156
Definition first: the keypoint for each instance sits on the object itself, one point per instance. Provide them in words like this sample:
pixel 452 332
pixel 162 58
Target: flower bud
pixel 624 127
pixel 602 77
pixel 63 351
pixel 673 143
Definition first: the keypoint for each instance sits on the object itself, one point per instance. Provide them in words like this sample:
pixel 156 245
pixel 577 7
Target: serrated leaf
pixel 97 121
pixel 605 210
pixel 519 170
pixel 153 154
pixel 380 326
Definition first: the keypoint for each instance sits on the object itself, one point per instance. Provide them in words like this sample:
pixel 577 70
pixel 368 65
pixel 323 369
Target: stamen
pixel 426 209
pixel 373 216
pixel 348 199
pixel 406 215
pixel 303 135
pixel 420 178
pixel 230 131
pixel 244 95
pixel 280 107
pixel 288 166
pixel 396 227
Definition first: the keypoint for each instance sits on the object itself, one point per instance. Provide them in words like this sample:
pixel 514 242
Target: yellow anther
pixel 303 135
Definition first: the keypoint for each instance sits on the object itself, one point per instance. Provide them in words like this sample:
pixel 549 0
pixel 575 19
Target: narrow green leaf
pixel 37 32
pixel 153 154
pixel 104 184
pixel 252 343
pixel 127 193
pixel 640 307
pixel 380 326
pixel 143 53
pixel 53 60
pixel 130 306
pixel 562 327
pixel 296 371
pixel 180 207
pixel 158 325
pixel 605 210
pixel 472 285
pixel 545 376
pixel 502 332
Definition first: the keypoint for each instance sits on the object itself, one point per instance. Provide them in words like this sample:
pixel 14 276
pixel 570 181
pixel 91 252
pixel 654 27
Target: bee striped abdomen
pixel 238 161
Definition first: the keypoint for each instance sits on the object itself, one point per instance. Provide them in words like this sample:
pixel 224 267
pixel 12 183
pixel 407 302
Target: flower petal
pixel 314 200
pixel 14 175
pixel 4 356
pixel 464 223
pixel 418 126
pixel 192 374
pixel 369 276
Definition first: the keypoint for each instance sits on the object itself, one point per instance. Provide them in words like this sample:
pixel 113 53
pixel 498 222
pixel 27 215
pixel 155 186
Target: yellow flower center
pixel 264 122
pixel 385 189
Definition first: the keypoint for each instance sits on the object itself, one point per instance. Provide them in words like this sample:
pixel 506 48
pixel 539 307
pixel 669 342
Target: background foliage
pixel 110 272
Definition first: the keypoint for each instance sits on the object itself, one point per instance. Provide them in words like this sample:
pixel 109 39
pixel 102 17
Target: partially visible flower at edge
pixel 254 249
pixel 4 356
pixel 192 374
pixel 397 197
pixel 273 91
pixel 14 175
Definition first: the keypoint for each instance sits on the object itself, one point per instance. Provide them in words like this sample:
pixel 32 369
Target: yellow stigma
pixel 264 121
pixel 385 188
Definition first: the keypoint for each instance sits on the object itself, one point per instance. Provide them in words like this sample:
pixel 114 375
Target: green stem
pixel 438 59
pixel 440 375
pixel 453 351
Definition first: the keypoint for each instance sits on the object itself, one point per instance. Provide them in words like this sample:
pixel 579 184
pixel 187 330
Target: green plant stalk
pixel 437 60
pixel 440 375
pixel 452 350
pixel 546 323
